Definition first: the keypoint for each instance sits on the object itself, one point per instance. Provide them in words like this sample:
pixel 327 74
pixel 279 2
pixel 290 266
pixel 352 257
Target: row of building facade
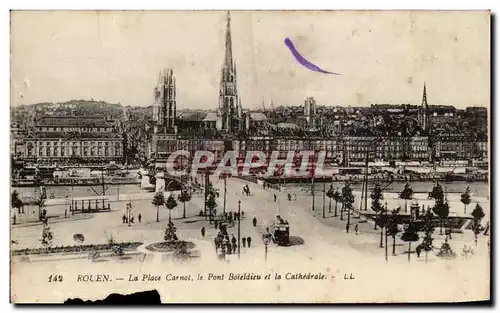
pixel 66 139
pixel 343 150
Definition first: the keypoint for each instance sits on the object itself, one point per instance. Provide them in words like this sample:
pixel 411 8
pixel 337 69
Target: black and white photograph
pixel 233 156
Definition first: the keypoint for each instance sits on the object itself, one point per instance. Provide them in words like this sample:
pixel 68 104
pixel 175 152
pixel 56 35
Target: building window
pixel 31 149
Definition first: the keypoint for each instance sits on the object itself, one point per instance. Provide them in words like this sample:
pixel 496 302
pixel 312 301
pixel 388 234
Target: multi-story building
pixel 74 138
pixel 165 104
pixel 17 133
pixel 165 144
pixel 310 112
pixel 451 146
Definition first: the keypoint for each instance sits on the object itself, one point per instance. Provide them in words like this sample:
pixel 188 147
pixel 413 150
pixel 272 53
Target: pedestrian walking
pixel 139 217
pixel 274 197
pixel 244 241
pixel 228 247
pixel 203 232
pixel 233 240
pixel 216 243
pixel 254 221
pixel 234 247
pixel 65 212
pixel 216 223
pixel 356 229
pixel 249 241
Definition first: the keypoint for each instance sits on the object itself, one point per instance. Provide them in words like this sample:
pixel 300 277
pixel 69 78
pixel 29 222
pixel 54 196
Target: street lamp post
pixel 386 222
pixel 239 224
pixel 225 191
pixel 129 208
pixel 324 199
pixel 266 243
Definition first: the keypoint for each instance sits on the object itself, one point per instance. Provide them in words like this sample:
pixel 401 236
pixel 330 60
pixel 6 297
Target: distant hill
pixel 76 107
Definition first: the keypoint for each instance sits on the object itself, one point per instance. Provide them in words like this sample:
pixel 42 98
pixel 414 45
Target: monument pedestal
pixel 160 182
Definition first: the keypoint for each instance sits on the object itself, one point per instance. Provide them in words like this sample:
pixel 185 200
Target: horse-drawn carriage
pixel 279 232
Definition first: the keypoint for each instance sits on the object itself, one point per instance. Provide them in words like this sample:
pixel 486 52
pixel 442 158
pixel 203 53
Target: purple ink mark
pixel 303 61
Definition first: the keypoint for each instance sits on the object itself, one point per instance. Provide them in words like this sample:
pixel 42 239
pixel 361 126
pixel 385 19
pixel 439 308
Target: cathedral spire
pixel 424 110
pixel 228 60
pixel 424 98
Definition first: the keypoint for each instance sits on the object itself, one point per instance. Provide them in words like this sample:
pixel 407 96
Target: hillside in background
pixel 80 108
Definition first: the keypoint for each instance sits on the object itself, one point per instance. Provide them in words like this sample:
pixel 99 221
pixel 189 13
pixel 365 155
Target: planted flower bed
pixel 170 246
pixel 80 248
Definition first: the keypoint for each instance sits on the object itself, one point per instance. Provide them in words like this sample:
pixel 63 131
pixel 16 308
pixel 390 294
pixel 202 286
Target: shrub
pixel 82 248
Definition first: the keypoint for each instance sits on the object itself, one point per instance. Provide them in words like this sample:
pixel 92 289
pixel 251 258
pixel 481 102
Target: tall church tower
pixel 423 112
pixel 229 102
pixel 165 105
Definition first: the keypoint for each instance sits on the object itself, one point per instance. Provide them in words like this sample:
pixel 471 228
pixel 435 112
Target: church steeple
pixel 424 98
pixel 424 111
pixel 228 58
pixel 229 102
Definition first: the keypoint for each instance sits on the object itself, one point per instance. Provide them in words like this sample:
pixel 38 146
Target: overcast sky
pixel 384 57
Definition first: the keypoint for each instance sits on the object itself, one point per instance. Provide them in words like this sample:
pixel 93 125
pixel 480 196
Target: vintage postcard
pixel 250 156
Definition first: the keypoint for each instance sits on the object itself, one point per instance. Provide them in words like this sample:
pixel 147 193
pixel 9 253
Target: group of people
pixel 125 218
pixel 223 245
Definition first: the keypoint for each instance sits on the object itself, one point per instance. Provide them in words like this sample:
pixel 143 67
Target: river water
pixel 477 189
pixel 78 191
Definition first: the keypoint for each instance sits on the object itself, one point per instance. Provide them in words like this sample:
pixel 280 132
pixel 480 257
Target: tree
pixel 477 215
pixel 46 234
pixel 377 207
pixel 211 202
pixel 437 192
pixel 406 194
pixel 170 233
pixel 337 197
pixel 428 227
pixel 158 200
pixel 15 202
pixel 330 194
pixel 347 201
pixel 392 227
pixel 410 234
pixel 184 197
pixel 465 199
pixel 442 210
pixel 170 204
